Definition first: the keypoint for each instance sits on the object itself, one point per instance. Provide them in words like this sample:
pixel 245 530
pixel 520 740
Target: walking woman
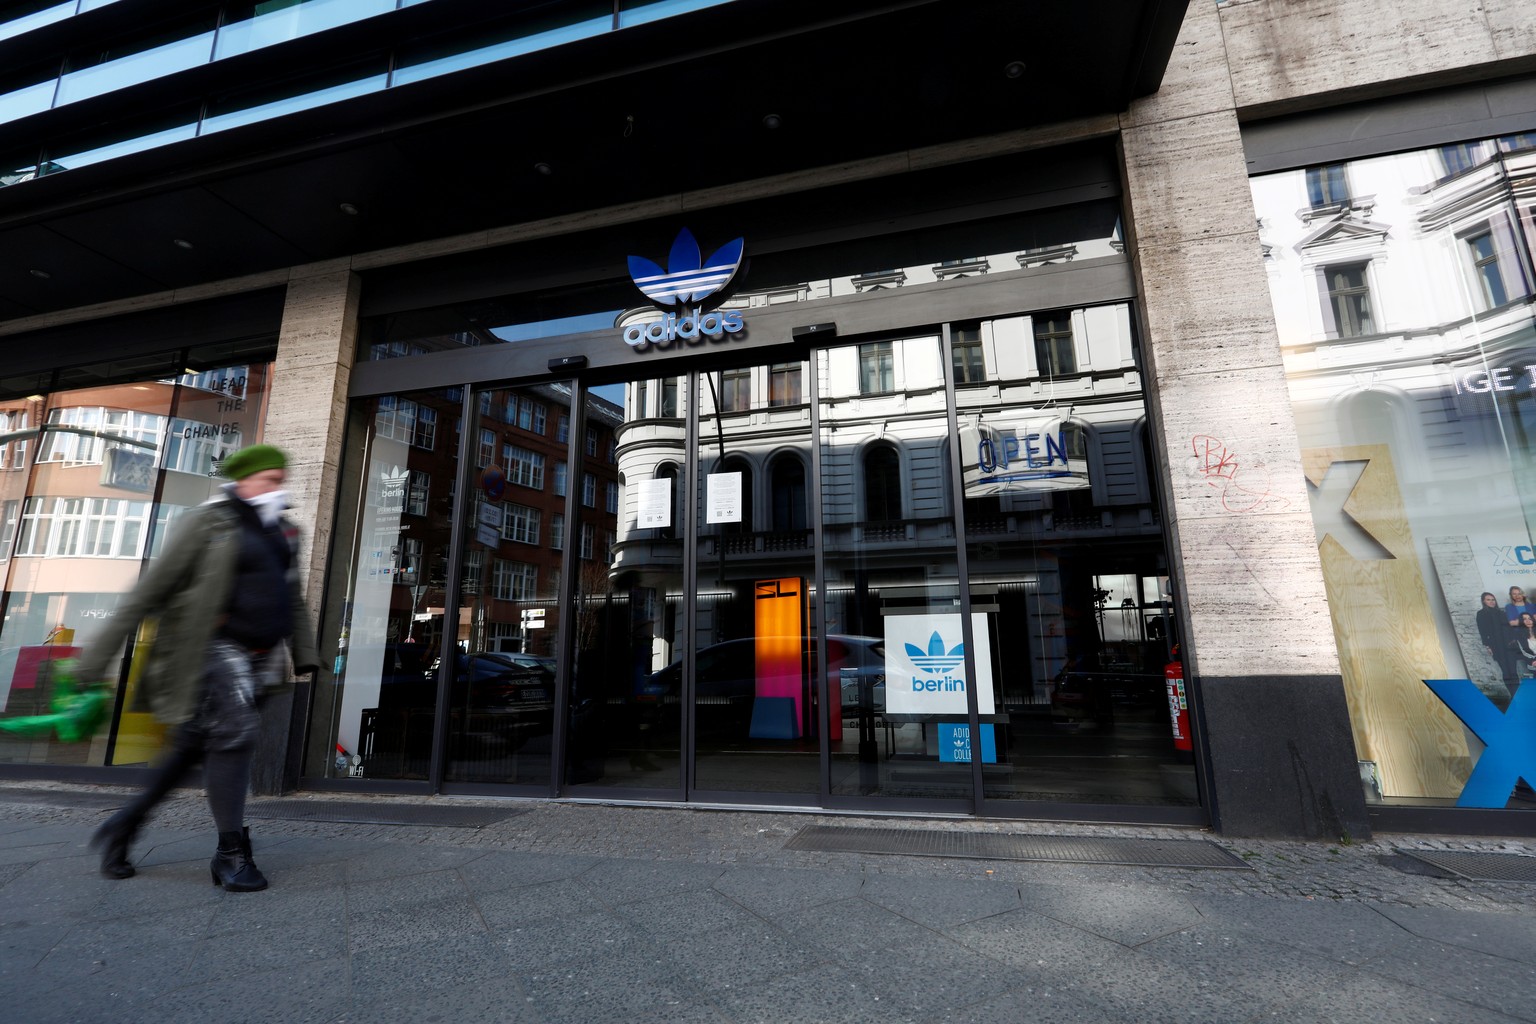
pixel 226 594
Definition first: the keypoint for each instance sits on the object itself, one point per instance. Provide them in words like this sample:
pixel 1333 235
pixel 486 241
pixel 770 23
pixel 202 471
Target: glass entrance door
pixel 893 621
pixel 756 707
pixel 626 610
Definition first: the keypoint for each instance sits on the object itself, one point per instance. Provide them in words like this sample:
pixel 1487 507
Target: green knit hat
pixel 241 464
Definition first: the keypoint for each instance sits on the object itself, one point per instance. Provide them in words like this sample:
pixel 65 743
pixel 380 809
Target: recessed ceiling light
pixel 1014 69
pixel 181 243
pixel 348 209
pixel 40 273
pixel 543 168
pixel 771 121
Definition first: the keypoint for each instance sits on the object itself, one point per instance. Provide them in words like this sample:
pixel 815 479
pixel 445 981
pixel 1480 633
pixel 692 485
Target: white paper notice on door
pixel 723 498
pixel 655 497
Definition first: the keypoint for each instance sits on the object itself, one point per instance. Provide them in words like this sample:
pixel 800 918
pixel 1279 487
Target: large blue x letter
pixel 1510 739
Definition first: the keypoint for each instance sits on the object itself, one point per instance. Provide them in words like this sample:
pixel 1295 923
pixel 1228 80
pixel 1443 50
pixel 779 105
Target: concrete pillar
pixel 1259 640
pixel 307 419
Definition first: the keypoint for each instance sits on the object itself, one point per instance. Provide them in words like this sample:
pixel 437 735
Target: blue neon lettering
pixel 1056 448
pixel 986 455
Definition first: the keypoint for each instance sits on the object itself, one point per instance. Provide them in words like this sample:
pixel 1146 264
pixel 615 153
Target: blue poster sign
pixel 955 743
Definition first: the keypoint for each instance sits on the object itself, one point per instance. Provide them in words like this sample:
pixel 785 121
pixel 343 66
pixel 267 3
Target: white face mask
pixel 269 505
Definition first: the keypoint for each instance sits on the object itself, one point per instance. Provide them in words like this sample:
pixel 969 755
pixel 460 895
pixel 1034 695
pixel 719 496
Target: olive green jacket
pixel 186 589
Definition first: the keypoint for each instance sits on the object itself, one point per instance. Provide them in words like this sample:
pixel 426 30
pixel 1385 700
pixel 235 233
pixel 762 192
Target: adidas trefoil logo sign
pixel 687 281
pixel 934 659
pixel 929 678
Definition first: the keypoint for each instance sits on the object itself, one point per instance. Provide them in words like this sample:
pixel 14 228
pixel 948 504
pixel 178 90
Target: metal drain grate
pixel 367 812
pixel 1479 867
pixel 1150 853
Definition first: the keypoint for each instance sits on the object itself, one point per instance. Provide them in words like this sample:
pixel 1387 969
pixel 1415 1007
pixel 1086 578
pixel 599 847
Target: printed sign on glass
pixel 925 664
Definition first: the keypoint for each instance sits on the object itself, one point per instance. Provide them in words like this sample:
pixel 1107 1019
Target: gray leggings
pixel 222 736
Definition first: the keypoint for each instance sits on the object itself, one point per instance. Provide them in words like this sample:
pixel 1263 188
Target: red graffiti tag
pixel 1219 467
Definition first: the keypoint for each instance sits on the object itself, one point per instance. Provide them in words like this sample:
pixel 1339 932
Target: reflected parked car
pixel 725 674
pixel 492 681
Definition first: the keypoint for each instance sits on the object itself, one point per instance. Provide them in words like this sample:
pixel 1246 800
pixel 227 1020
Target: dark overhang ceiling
pixel 650 111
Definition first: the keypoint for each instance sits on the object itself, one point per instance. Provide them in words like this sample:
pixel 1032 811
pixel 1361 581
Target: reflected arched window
pixel 735 464
pixel 882 484
pixel 788 476
pixel 1074 437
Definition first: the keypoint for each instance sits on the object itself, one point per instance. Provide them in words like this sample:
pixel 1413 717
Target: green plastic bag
pixel 78 710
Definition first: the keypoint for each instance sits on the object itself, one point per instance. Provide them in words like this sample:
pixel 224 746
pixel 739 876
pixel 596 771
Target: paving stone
pixel 940 902
pixel 1122 913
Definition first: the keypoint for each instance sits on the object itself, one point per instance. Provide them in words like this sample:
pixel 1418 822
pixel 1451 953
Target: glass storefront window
pixel 892 579
pixel 1066 559
pixel 1406 323
pixel 756 700
pixel 506 656
pixel 390 609
pixel 90 482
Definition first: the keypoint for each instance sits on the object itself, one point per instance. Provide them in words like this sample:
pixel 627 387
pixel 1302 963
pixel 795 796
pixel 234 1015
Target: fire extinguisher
pixel 1178 703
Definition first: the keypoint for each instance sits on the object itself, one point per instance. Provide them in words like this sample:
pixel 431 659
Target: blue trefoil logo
pixel 937 661
pixel 687 280
pixel 934 660
pixel 688 277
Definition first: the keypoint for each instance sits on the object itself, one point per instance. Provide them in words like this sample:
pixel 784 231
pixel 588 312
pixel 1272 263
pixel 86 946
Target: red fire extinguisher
pixel 1178 703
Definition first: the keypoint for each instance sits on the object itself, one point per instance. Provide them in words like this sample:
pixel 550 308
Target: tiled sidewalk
pixel 589 913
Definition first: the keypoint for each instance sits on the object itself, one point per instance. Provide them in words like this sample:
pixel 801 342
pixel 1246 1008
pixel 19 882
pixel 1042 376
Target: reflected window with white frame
pixel 526 414
pixel 83 440
pixel 418 492
pixel 966 356
pixel 736 390
pixel 1484 255
pixel 55 527
pixel 13 454
pixel 474 571
pixel 1327 186
pixel 514 581
pixel 1349 300
pixel 520 523
pixel 784 384
pixel 1054 348
pixel 523 467
pixel 877 368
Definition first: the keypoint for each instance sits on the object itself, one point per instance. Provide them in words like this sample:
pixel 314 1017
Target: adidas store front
pixel 842 498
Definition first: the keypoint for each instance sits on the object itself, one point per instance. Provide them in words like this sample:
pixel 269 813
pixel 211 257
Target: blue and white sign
pixel 955 743
pixel 687 280
pixel 925 664
pixel 1024 455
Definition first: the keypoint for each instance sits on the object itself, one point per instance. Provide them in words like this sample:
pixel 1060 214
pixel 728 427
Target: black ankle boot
pixel 232 866
pixel 113 839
